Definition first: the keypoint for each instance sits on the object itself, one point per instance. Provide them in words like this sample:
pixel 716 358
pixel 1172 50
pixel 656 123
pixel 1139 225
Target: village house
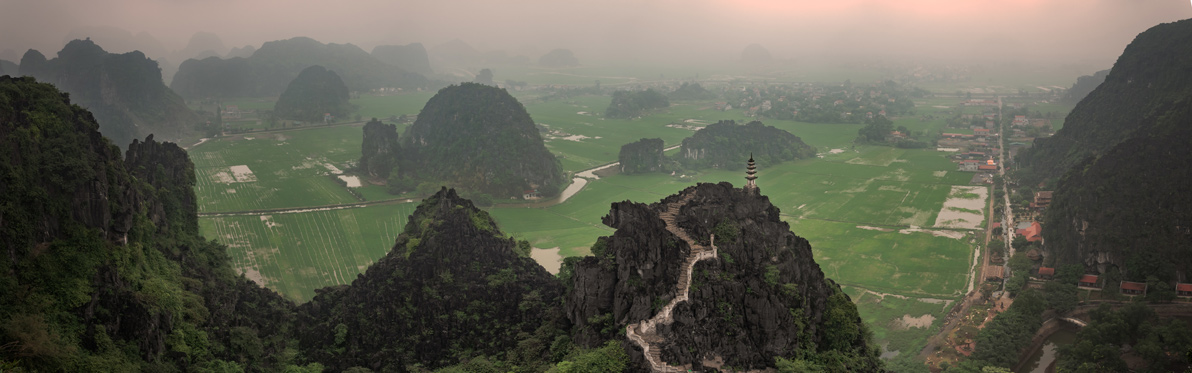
pixel 1020 120
pixel 987 168
pixel 1046 273
pixel 1183 290
pixel 1133 288
pixel 994 273
pixel 1042 200
pixel 1090 282
pixel 531 194
pixel 969 165
pixel 1033 233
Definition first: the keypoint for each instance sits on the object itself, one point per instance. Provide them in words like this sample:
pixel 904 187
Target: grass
pixel 290 168
pixel 881 313
pixel 295 254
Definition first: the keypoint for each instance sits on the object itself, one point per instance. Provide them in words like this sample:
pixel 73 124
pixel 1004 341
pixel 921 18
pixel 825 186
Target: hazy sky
pixel 1041 30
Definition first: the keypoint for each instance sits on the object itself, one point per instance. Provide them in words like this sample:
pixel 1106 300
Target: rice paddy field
pixel 871 213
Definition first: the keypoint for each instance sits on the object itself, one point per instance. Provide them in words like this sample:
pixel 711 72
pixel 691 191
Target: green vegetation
pixel 642 156
pixel 999 343
pixel 294 254
pixel 380 151
pixel 726 145
pixel 1162 344
pixel 629 105
pixel 316 92
pixel 106 271
pixel 481 139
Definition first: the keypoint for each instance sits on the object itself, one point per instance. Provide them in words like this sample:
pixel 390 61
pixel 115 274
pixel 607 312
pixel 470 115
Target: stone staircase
pixel 645 333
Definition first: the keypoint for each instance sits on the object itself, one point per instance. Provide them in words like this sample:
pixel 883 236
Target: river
pixel 1045 356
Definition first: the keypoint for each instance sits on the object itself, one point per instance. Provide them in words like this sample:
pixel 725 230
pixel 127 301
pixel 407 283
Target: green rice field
pixel 868 211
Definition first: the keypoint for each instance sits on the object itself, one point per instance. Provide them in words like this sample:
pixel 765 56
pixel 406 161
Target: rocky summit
pixel 711 278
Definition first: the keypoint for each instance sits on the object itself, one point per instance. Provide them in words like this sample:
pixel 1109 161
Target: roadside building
pixel 1091 282
pixel 1046 273
pixel 1042 200
pixel 994 273
pixel 1133 288
pixel 970 165
pixel 1183 290
pixel 1033 233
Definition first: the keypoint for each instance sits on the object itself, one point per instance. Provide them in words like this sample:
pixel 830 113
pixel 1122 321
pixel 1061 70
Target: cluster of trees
pixel 1163 345
pixel 814 103
pixel 725 144
pixel 627 104
pixel 1004 337
pixel 313 94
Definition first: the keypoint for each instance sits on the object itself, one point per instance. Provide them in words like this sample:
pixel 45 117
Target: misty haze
pixel 595 186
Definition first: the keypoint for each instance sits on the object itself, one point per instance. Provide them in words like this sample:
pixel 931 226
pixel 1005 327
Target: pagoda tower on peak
pixel 751 174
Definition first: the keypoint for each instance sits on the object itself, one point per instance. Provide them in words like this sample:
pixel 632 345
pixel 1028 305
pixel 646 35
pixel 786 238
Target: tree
pixel 1061 297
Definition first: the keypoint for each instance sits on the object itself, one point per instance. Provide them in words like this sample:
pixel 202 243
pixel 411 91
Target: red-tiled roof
pixel 1091 279
pixel 997 225
pixel 986 167
pixel 1046 271
pixel 1032 233
pixel 1183 287
pixel 1137 286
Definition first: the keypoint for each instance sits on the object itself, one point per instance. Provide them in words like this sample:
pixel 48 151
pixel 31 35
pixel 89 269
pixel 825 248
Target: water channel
pixel 1044 357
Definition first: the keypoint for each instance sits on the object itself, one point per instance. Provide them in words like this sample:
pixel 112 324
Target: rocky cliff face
pixel 451 288
pixel 169 176
pixel 379 150
pixel 761 297
pixel 124 91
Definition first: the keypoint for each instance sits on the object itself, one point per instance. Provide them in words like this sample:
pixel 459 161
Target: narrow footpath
pixel 645 333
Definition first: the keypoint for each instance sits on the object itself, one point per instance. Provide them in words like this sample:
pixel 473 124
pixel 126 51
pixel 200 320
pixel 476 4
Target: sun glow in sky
pixel 1038 29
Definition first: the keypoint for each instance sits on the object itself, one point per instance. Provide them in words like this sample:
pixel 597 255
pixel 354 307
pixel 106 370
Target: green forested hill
pixel 453 288
pixel 123 91
pixel 104 268
pixel 1152 72
pixel 1129 210
pixel 1120 204
pixel 315 92
pixel 480 139
pixel 726 144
